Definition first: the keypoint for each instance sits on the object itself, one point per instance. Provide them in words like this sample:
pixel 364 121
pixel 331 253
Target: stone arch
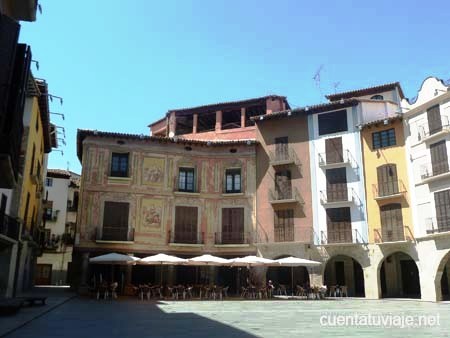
pixel 398 274
pixel 444 265
pixel 347 270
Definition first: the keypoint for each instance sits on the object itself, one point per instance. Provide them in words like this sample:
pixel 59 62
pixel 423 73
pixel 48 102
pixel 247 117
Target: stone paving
pixel 83 317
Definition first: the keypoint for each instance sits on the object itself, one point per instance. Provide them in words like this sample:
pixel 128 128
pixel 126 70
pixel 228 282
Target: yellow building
pixel 386 180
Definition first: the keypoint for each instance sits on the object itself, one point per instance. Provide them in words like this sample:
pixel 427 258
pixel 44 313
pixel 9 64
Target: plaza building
pixel 337 182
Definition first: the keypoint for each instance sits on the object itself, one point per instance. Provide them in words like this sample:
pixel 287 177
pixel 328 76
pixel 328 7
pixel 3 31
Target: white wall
pixel 351 141
pixel 58 194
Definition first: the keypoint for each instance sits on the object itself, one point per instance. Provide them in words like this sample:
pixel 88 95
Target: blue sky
pixel 120 65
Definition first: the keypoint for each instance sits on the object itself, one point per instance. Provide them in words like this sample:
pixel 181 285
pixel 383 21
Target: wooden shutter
pixel 333 149
pixel 232 225
pixel 281 148
pixel 387 180
pixel 284 225
pixel 391 222
pixel 283 186
pixel 115 221
pixel 442 205
pixel 434 120
pixel 439 159
pixel 339 225
pixel 186 224
pixel 336 185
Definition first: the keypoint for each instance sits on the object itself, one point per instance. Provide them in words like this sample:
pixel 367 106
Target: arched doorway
pixel 287 276
pixel 399 277
pixel 443 280
pixel 343 270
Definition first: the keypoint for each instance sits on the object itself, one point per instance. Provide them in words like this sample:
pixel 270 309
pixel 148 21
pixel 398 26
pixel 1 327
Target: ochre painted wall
pixel 372 160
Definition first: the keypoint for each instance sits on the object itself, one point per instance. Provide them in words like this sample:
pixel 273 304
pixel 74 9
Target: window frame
pixel 233 172
pixel 49 181
pixel 186 171
pixel 384 141
pixel 377 97
pixel 119 172
pixel 327 130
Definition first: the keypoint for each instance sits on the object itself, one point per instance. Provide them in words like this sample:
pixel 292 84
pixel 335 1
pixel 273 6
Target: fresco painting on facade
pixel 152 212
pixel 153 171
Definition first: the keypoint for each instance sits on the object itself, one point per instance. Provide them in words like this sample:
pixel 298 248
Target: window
pixel 115 221
pixel 384 138
pixel 434 120
pixel 284 225
pixel 281 148
pixel 233 181
pixel 339 226
pixel 439 158
pixel 186 225
pixel 48 214
pixel 119 165
pixel 49 182
pixel 334 122
pixel 232 226
pixel 283 186
pixel 377 97
pixel 391 223
pixel 186 180
pixel 32 160
pixel 442 205
pixel 336 185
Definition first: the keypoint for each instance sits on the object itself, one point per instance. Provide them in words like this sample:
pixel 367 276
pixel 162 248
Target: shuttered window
pixel 233 180
pixel 442 205
pixel 434 120
pixel 119 165
pixel 283 187
pixel 115 221
pixel 392 222
pixel 387 180
pixel 334 152
pixel 284 225
pixel 439 159
pixel 384 138
pixel 339 225
pixel 186 219
pixel 281 148
pixel 336 185
pixel 232 225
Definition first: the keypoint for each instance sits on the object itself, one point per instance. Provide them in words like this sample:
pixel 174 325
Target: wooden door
pixel 281 148
pixel 339 225
pixel 283 186
pixel 442 205
pixel 387 180
pixel 336 185
pixel 439 159
pixel 186 219
pixel 333 149
pixel 392 222
pixel 232 225
pixel 434 120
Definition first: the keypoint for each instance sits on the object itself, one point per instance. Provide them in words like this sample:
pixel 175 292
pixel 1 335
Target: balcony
pixel 430 172
pixel 427 135
pixel 395 234
pixel 232 238
pixel 284 158
pixel 335 160
pixel 337 197
pixel 286 196
pixel 114 234
pixel 388 190
pixel 437 225
pixel 293 234
pixel 186 237
pixel 337 236
pixel 9 227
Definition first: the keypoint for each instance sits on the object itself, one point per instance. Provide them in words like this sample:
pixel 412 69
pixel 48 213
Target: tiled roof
pixel 58 173
pixel 307 110
pixel 83 133
pixel 366 91
pixel 45 113
pixel 388 119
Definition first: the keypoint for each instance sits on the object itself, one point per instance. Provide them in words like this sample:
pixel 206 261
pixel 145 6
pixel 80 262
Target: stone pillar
pixel 372 287
pixel 218 120
pixel 242 117
pixel 84 268
pixel 128 274
pixel 172 124
pixel 194 123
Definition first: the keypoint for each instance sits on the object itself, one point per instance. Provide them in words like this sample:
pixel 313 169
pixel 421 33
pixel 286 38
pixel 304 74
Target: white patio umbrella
pixel 252 261
pixel 207 260
pixel 114 259
pixel 162 259
pixel 293 262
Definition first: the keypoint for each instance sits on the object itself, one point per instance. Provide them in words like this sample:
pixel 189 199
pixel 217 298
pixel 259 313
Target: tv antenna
pixel 316 79
pixel 335 85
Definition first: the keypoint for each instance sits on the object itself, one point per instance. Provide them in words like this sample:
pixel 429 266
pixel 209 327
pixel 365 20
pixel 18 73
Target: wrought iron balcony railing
pixel 392 234
pixel 114 234
pixel 185 237
pixel 385 190
pixel 337 236
pixel 426 133
pixel 292 195
pixel 337 195
pixel 336 159
pixel 284 157
pixel 437 224
pixel 430 170
pixel 239 237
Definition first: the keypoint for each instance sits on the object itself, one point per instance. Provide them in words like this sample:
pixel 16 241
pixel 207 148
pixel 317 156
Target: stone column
pixel 194 123
pixel 372 288
pixel 84 268
pixel 242 117
pixel 218 120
